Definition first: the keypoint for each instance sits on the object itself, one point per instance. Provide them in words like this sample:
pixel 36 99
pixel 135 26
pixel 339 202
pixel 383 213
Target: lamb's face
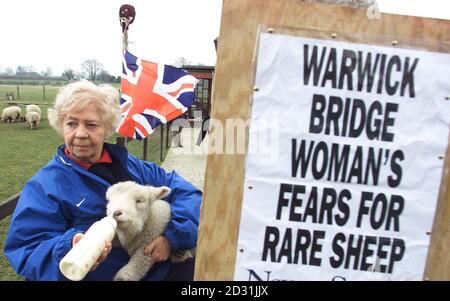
pixel 129 203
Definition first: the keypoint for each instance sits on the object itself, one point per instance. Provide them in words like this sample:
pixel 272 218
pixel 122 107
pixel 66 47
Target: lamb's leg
pixel 136 268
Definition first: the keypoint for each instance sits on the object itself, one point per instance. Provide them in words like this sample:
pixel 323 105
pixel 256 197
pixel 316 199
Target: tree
pixel 29 68
pixel 9 71
pixel 91 68
pixel 78 75
pixel 27 72
pixel 181 61
pixel 47 72
pixel 68 74
pixel 20 70
pixel 104 76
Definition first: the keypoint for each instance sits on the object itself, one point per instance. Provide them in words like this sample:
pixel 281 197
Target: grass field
pixel 23 152
pixel 32 93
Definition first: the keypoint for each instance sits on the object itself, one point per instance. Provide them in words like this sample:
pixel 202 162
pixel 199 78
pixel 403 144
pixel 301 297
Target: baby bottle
pixel 80 259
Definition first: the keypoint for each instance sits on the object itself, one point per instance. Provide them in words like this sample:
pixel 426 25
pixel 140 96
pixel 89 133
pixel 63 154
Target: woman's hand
pixel 76 238
pixel 159 249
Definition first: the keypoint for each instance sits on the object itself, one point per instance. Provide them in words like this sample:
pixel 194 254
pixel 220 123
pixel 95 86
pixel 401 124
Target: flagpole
pixel 125 48
pixel 127 14
pixel 125 40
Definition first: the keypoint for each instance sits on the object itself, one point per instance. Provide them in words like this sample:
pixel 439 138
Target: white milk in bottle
pixel 80 259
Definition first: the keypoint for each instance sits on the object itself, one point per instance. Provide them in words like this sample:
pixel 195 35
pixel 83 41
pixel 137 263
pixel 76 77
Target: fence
pixel 28 92
pixel 7 206
pixel 163 128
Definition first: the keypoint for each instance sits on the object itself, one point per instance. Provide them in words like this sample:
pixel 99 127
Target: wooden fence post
pixel 7 206
pixel 167 134
pixel 161 144
pixel 145 149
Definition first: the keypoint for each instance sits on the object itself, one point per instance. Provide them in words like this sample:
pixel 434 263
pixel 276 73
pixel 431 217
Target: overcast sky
pixel 61 34
pixel 422 8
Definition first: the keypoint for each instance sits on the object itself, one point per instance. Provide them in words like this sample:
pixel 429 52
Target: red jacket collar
pixel 104 158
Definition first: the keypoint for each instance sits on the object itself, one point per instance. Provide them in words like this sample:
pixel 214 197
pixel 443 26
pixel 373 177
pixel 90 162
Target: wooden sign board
pixel 232 94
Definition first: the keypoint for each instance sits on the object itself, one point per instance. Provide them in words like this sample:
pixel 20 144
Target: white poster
pixel 346 185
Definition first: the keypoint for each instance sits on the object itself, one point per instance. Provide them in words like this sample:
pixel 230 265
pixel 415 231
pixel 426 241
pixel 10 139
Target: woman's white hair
pixel 77 95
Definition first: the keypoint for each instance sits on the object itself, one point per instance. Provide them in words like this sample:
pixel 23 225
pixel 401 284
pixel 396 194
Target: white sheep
pixel 33 108
pixel 11 114
pixel 141 217
pixel 33 119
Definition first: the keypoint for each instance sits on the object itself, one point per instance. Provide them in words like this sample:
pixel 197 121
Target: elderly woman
pixel 67 196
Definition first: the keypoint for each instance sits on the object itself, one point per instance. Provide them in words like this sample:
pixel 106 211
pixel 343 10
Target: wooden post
pixel 43 89
pixel 161 128
pixel 438 262
pixel 18 93
pixel 145 149
pixel 7 206
pixel 208 105
pixel 120 141
pixel 233 87
pixel 167 134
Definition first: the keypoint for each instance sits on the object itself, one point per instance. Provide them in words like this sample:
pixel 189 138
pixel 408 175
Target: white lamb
pixel 141 216
pixel 33 119
pixel 11 114
pixel 33 108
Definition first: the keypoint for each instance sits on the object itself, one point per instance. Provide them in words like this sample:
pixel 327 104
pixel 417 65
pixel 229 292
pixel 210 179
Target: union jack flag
pixel 152 94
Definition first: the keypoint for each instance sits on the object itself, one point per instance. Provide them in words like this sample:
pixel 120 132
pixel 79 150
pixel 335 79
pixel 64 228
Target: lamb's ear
pixel 161 192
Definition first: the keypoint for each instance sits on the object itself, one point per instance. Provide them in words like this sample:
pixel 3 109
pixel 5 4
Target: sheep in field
pixel 33 108
pixel 141 216
pixel 33 119
pixel 11 114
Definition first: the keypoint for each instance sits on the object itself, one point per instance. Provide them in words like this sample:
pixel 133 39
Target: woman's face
pixel 84 134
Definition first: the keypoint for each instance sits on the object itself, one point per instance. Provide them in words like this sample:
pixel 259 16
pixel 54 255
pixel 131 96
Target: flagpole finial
pixel 127 13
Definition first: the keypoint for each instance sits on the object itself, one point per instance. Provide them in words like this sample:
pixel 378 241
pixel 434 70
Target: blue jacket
pixel 63 199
